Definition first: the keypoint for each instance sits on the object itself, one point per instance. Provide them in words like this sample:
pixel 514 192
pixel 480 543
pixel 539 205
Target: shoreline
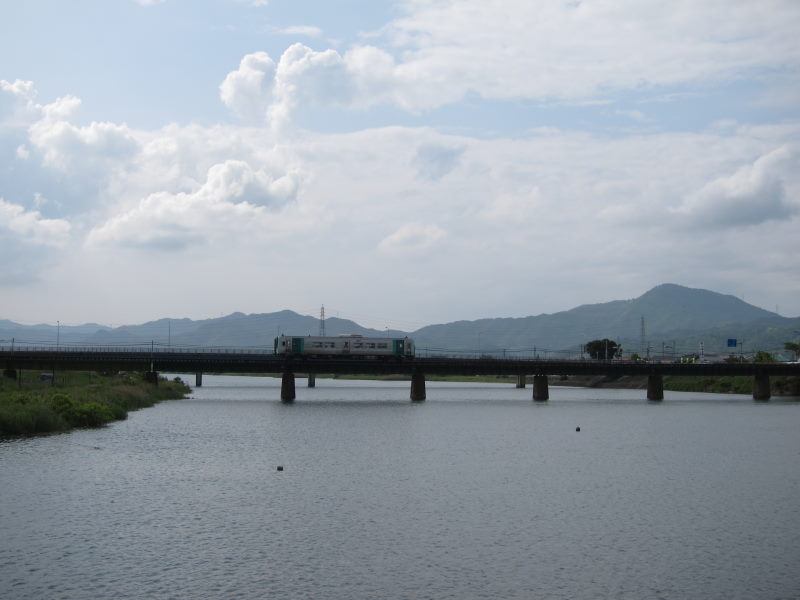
pixel 37 406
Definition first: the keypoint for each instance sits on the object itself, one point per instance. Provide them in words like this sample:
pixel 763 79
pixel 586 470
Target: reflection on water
pixel 476 493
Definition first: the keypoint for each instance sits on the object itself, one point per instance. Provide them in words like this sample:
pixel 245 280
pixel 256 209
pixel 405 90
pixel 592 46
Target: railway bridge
pixel 152 360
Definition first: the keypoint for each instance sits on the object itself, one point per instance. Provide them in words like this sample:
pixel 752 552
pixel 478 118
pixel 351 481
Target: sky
pixel 401 162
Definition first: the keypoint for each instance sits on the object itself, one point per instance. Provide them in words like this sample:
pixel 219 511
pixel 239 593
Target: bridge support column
pixel 761 389
pixel 151 377
pixel 520 381
pixel 541 392
pixel 312 380
pixel 655 387
pixel 418 387
pixel 287 387
pixel 198 380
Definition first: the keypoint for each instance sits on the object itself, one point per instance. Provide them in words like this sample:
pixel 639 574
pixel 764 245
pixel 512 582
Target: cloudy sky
pixel 403 162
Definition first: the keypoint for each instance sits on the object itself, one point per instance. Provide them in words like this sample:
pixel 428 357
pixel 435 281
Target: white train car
pixel 344 345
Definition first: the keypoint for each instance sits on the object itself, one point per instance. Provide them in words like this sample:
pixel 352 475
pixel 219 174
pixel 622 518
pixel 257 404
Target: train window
pixel 383 346
pixel 316 344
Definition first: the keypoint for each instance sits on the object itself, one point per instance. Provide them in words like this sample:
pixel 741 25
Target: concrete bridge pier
pixel 655 387
pixel 761 389
pixel 198 380
pixel 417 386
pixel 287 387
pixel 312 380
pixel 541 392
pixel 520 382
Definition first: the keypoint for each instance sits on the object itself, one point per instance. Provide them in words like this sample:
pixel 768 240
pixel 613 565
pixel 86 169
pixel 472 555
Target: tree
pixel 794 348
pixel 602 349
pixel 762 356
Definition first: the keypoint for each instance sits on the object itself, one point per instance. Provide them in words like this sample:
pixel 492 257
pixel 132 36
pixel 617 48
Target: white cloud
pixel 306 77
pixel 234 198
pixel 752 195
pixel 306 30
pixel 553 52
pixel 81 150
pixel 17 106
pixel 30 227
pixel 412 238
pixel 248 91
pixel 568 50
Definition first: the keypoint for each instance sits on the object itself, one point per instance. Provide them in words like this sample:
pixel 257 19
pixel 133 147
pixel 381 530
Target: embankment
pixel 38 405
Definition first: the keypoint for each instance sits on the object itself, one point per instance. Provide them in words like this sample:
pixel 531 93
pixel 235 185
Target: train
pixel 344 345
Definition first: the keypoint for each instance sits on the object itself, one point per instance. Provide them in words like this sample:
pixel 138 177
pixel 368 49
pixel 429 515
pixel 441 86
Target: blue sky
pixel 404 163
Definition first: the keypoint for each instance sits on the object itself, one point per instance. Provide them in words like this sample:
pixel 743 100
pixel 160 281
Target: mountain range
pixel 674 319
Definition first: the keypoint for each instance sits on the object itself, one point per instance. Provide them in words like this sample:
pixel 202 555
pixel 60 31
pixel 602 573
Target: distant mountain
pixel 674 316
pixel 47 334
pixel 670 311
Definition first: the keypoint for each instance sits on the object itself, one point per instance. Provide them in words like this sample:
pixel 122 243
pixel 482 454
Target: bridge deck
pixel 193 361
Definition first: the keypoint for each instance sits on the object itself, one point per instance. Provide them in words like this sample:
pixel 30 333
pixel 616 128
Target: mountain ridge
pixel 676 316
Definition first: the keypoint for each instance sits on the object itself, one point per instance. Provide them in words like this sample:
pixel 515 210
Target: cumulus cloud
pixel 234 197
pixel 17 104
pixel 573 52
pixel 304 77
pixel 248 91
pixel 82 150
pixel 752 195
pixel 412 238
pixel 30 227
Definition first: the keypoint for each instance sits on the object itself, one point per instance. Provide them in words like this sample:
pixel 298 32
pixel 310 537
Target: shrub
pixel 90 414
pixel 61 403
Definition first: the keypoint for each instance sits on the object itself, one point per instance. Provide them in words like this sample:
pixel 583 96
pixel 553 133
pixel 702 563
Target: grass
pixel 780 386
pixel 76 399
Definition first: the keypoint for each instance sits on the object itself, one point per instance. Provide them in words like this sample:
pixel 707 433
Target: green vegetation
pixel 603 349
pixel 780 386
pixel 762 356
pixel 792 347
pixel 34 406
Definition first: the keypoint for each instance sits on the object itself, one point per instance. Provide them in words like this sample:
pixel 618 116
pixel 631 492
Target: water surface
pixel 476 493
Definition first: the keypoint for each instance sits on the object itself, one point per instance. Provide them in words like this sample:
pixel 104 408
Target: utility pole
pixel 322 321
pixel 642 341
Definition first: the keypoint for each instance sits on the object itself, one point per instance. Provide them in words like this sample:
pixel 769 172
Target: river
pixel 476 493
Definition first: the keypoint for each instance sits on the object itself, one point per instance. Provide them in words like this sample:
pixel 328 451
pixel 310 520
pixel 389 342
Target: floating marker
pixel 280 468
pixel 577 429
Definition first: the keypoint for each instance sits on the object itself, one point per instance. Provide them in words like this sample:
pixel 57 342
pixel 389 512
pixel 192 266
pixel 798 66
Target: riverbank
pixel 40 405
pixel 780 386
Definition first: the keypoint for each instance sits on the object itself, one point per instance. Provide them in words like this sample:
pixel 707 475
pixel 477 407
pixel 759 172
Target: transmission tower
pixel 322 321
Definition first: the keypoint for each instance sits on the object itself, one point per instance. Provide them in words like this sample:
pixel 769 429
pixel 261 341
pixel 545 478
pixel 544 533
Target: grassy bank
pixel 780 386
pixel 73 400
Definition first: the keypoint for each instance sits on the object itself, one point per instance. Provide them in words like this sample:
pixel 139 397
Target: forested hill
pixel 672 314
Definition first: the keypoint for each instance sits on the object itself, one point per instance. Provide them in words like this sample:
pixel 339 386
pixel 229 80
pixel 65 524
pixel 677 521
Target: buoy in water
pixel 577 429
pixel 280 468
